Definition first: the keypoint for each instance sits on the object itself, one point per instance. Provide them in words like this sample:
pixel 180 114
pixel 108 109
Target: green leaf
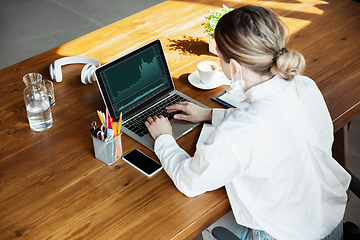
pixel 213 18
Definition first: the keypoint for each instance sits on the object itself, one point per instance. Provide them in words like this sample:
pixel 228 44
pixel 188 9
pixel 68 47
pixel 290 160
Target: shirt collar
pixel 265 89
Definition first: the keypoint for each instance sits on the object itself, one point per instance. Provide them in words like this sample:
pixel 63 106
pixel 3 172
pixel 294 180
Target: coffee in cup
pixel 207 71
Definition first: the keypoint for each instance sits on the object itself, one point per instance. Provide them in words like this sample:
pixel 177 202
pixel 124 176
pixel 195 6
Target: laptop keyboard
pixel 137 125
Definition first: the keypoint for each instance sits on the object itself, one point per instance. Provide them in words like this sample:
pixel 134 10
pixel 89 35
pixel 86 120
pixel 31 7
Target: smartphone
pixel 142 162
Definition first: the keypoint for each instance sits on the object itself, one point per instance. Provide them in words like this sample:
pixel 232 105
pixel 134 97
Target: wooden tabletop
pixel 52 187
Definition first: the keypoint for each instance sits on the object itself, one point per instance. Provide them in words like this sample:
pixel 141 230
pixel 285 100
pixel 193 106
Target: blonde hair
pixel 256 37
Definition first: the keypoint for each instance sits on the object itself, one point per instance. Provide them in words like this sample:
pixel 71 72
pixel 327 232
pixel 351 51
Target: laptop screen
pixel 132 80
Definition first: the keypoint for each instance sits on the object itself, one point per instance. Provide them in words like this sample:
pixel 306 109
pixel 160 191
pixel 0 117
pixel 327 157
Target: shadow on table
pixel 188 45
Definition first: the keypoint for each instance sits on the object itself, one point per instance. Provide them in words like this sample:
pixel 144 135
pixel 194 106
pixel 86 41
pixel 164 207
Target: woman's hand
pixel 193 112
pixel 158 126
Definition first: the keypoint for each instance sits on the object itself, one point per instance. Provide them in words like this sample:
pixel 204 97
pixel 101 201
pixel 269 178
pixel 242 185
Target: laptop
pixel 139 85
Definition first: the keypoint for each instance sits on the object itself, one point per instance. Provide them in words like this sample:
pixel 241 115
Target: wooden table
pixel 52 187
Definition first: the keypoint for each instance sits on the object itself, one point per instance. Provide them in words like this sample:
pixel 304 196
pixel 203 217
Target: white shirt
pixel 274 159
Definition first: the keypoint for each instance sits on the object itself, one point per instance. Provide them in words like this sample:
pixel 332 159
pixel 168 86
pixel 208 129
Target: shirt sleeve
pixel 212 166
pixel 219 114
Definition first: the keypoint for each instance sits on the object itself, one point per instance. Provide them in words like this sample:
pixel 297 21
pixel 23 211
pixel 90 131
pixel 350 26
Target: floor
pixel 31 27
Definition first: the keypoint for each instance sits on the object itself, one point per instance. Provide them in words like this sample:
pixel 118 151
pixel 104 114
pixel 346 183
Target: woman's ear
pixel 236 68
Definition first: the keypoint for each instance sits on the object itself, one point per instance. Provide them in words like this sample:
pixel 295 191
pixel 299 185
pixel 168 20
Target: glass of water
pixel 50 89
pixel 32 78
pixel 38 106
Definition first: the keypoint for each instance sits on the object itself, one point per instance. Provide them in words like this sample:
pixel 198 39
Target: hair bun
pixel 288 64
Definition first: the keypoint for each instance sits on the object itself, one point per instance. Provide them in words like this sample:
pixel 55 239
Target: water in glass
pixel 38 106
pixel 39 115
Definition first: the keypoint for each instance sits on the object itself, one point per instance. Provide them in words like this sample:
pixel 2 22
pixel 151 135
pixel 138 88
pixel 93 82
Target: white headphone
pixel 87 73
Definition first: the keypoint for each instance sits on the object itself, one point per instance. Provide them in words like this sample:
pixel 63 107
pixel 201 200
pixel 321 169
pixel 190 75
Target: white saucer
pixel 219 79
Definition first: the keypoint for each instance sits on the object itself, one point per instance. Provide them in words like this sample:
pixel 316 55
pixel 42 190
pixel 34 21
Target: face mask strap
pixel 232 84
pixel 241 78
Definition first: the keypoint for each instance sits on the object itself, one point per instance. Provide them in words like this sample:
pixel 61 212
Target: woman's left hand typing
pixel 158 126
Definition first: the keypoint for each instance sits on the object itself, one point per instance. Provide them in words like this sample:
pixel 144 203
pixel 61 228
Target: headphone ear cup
pixel 51 70
pixel 87 73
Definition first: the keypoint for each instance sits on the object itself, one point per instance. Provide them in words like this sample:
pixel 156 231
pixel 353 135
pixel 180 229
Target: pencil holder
pixel 108 152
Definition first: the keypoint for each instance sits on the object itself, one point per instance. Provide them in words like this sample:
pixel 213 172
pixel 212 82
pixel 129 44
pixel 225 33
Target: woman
pixel 274 158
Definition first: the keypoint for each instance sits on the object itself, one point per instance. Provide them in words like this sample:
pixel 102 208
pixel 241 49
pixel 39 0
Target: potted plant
pixel 213 18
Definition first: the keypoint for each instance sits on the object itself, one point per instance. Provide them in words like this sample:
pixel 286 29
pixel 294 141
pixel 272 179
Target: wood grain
pixel 52 187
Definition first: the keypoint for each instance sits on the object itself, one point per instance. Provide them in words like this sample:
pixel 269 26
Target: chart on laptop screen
pixel 135 80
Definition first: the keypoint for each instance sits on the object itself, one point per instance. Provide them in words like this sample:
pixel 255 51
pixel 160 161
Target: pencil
pixel 107 119
pixel 119 127
pixel 100 117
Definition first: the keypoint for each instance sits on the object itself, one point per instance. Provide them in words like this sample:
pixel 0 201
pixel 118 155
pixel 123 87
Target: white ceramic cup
pixel 207 71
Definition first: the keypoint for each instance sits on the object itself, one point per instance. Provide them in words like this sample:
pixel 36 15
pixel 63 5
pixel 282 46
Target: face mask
pixel 240 84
